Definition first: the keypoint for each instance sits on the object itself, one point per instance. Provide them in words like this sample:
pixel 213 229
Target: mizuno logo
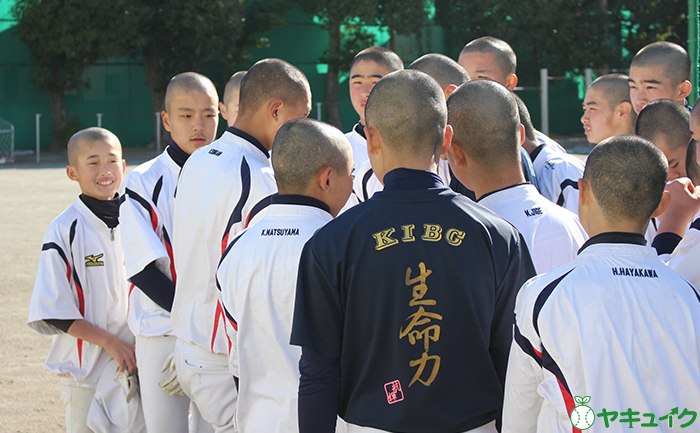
pixel 91 261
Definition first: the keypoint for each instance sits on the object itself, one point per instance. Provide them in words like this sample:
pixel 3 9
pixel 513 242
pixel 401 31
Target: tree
pixel 402 18
pixel 63 37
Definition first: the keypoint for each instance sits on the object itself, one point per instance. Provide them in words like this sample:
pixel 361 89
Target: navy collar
pixel 177 154
pixel 615 238
pixel 105 210
pixel 360 130
pixel 406 178
pixel 499 190
pixel 247 137
pixel 299 200
pixel 536 152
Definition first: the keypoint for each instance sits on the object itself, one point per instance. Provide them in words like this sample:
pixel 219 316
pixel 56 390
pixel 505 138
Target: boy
pixel 489 58
pixel 557 173
pixel 616 324
pixel 81 295
pixel 146 214
pixel 607 108
pixel 666 123
pixel 661 70
pixel 397 264
pixel 217 190
pixel 257 274
pixel 232 91
pixel 484 155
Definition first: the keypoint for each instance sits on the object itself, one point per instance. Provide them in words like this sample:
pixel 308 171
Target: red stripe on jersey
pixel 80 352
pixel 169 249
pixel 220 314
pixel 81 308
pixel 247 220
pixel 537 352
pixel 224 244
pixel 569 402
pixel 154 219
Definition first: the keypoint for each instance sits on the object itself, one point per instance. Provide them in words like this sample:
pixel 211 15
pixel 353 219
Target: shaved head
pixel 384 57
pixel 233 86
pixel 87 136
pixel 525 119
pixel 672 57
pixel 303 147
pixel 615 89
pixel 271 79
pixel 504 55
pixel 628 176
pixel 409 111
pixel 666 120
pixel 486 124
pixel 188 82
pixel 443 69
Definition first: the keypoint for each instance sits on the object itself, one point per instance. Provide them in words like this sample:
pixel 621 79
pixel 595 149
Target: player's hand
pixel 170 384
pixel 123 353
pixel 684 204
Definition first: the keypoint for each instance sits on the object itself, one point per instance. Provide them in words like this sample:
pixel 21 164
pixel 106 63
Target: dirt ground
pixel 31 196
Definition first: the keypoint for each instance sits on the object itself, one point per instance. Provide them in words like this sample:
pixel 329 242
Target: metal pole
pixel 38 137
pixel 12 143
pixel 589 77
pixel 318 110
pixel 544 100
pixel 157 131
pixel 99 120
pixel 693 48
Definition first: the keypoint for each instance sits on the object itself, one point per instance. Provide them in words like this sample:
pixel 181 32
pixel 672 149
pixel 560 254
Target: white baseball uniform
pixel 544 139
pixel 359 147
pixel 219 186
pixel 257 277
pixel 684 258
pixel 558 174
pixel 616 325
pixel 553 234
pixel 146 215
pixel 81 276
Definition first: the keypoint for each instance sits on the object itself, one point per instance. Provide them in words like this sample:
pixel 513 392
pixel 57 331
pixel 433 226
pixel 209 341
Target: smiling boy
pixel 661 70
pixel 80 295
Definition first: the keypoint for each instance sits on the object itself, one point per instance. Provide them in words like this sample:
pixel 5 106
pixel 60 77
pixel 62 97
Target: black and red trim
pixel 78 289
pixel 237 214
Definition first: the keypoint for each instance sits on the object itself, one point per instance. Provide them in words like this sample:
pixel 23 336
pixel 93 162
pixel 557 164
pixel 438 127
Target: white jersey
pixel 258 277
pixel 81 276
pixel 684 258
pixel 615 325
pixel 366 184
pixel 146 215
pixel 543 139
pixel 359 148
pixel 219 186
pixel 558 174
pixel 553 234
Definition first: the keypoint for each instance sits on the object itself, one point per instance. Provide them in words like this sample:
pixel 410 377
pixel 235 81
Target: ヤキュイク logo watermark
pixel 582 417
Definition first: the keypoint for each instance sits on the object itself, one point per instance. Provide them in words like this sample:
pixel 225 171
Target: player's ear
pixel 374 140
pixel 665 200
pixel 166 120
pixel 123 166
pixel 684 89
pixel 447 141
pixel 222 109
pixel 323 178
pixel 522 134
pixel 622 111
pixel 511 82
pixel 275 107
pixel 459 157
pixel 449 89
pixel 72 173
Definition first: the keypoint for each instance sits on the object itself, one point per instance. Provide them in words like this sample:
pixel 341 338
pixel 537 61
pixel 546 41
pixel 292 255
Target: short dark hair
pixel 525 118
pixel 692 168
pixel 381 56
pixel 505 56
pixel 672 57
pixel 87 135
pixel 628 175
pixel 665 119
pixel 304 146
pixel 486 124
pixel 409 111
pixel 615 89
pixel 189 82
pixel 442 68
pixel 269 79
pixel 233 85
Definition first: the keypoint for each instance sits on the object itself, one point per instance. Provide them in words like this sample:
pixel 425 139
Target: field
pixel 31 196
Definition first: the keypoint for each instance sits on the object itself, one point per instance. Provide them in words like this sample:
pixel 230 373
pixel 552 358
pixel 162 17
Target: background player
pixel 484 156
pixel 616 324
pixel 257 274
pixel 607 108
pixel 80 295
pixel 403 260
pixel 217 189
pixel 557 172
pixel 146 214
pixel 661 70
pixel 229 108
